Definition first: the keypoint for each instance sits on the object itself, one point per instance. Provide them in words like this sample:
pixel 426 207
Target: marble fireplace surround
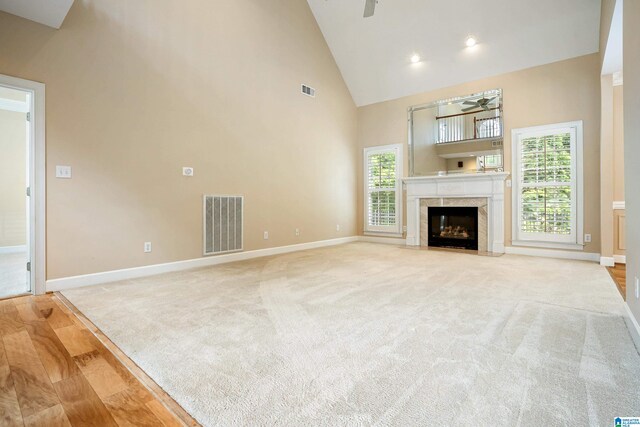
pixel 484 190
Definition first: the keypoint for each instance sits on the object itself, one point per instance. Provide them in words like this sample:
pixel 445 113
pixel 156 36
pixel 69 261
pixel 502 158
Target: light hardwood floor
pixel 619 275
pixel 57 369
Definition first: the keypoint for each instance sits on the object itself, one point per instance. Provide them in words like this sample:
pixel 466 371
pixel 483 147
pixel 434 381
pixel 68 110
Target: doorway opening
pixel 21 187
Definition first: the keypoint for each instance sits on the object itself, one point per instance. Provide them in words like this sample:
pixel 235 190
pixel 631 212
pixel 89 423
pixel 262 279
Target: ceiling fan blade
pixel 369 8
pixel 471 103
pixel 490 100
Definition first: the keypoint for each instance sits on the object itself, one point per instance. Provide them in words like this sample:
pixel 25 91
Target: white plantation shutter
pixel 383 189
pixel 547 183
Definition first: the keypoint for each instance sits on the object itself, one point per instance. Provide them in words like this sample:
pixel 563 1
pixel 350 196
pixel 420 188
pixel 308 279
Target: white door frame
pixel 37 178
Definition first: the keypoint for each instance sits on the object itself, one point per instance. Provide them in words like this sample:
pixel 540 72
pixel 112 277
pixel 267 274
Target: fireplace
pixel 453 227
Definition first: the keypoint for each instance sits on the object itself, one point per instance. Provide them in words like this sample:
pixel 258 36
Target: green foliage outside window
pixel 382 189
pixel 546 184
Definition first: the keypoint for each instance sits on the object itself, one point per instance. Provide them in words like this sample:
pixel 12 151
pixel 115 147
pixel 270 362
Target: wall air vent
pixel 309 91
pixel 496 143
pixel 222 224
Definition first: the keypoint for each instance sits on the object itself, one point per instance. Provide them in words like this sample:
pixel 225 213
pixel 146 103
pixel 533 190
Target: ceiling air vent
pixel 309 91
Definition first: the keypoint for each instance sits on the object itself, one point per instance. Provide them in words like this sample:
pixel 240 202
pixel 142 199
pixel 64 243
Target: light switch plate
pixel 63 172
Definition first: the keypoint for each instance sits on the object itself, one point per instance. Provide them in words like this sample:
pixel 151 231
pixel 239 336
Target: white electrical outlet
pixel 404 228
pixel 297 231
pixel 587 238
pixel 147 247
pixel 266 235
pixel 508 183
pixel 337 227
pixel 637 288
pixel 187 171
pixel 63 172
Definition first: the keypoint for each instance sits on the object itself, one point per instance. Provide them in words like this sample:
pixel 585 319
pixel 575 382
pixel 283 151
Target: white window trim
pixel 517 237
pixel 397 231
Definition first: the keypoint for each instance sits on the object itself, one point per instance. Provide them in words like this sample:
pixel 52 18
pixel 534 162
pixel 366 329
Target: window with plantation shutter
pixel 548 187
pixel 383 189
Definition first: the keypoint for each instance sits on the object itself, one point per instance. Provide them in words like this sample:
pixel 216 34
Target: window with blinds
pixel 545 168
pixel 383 189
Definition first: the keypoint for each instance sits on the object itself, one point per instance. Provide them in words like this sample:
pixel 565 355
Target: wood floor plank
pixel 74 340
pixel 28 311
pixel 100 374
pixel 52 312
pixel 33 387
pixel 10 414
pixel 129 410
pixel 7 306
pixel 22 300
pixel 81 403
pixel 52 417
pixel 163 414
pixel 10 322
pixel 54 356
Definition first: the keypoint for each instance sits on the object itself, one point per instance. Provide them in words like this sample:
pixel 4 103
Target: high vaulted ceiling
pixel 47 12
pixel 374 53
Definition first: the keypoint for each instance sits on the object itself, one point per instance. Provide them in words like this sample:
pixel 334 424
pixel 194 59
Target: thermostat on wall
pixel 187 171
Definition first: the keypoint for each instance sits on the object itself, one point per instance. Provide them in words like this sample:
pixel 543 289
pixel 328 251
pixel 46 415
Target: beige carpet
pixel 13 274
pixel 366 334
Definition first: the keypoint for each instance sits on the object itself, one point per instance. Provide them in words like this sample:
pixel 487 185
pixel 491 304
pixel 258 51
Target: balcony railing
pixel 454 128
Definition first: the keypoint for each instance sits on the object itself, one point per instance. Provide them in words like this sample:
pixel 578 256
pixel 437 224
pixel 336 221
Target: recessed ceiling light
pixel 415 58
pixel 471 41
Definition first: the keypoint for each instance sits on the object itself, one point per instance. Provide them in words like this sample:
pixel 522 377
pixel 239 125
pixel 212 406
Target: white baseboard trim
pixel 152 270
pixel 551 253
pixel 607 261
pixel 620 259
pixel 13 249
pixel 634 327
pixel 386 240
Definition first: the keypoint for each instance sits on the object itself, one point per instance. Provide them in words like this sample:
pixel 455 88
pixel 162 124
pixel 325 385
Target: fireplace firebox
pixel 453 227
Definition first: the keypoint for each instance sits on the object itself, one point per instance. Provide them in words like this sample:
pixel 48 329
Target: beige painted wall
pixel 137 90
pixel 13 173
pixel 618 143
pixel 631 59
pixel 607 233
pixel 565 91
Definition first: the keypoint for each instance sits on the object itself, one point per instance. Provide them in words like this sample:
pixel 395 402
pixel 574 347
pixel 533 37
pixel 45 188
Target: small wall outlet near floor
pixel 265 236
pixel 297 231
pixel 587 238
pixel 147 247
pixel 337 227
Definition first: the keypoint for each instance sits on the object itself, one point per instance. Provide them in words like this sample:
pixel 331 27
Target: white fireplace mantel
pixel 483 184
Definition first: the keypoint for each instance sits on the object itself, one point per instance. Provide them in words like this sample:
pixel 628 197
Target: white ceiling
pixel 374 53
pixel 47 12
pixel 613 53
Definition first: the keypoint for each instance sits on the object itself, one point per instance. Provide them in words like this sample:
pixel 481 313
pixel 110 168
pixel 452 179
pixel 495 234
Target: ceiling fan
pixel 480 103
pixel 369 8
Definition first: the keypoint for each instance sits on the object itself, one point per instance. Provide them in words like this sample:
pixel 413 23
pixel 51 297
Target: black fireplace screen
pixel 453 227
